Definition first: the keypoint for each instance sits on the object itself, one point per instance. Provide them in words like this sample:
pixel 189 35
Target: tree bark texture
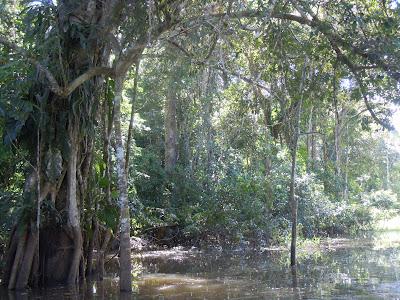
pixel 73 211
pixel 125 246
pixel 56 255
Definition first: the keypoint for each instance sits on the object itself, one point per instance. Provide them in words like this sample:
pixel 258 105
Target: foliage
pixel 382 199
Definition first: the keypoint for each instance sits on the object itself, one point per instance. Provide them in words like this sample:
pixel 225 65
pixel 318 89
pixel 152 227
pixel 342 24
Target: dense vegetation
pixel 190 122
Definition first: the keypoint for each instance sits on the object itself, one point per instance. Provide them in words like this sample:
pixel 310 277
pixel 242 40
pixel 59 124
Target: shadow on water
pixel 366 268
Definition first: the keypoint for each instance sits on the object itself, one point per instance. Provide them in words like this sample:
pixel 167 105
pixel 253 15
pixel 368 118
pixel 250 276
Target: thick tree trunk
pixel 19 254
pixel 35 268
pixel 24 245
pixel 61 260
pixel 26 265
pixel 125 247
pixel 21 258
pixel 11 251
pixel 73 211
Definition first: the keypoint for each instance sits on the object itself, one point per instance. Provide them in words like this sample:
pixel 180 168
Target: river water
pixel 363 268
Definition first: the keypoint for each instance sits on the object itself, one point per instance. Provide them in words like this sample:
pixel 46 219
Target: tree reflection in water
pixel 338 268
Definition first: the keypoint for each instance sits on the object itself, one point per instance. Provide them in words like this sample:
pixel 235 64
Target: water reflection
pixel 367 268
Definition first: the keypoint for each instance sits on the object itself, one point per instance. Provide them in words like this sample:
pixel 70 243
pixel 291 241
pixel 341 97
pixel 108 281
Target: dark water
pixel 367 268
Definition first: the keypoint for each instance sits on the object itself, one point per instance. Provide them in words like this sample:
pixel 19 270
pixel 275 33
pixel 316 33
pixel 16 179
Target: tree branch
pixel 62 92
pixel 92 72
pixel 133 53
pixel 323 27
pixel 343 58
pixel 327 30
pixel 219 67
pixel 333 38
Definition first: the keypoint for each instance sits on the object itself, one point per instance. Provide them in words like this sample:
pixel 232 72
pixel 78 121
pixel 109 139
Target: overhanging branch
pixel 219 67
pixel 343 58
pixel 323 27
pixel 62 92
pixel 327 30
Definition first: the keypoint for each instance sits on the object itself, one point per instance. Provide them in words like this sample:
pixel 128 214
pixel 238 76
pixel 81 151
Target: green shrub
pixel 383 199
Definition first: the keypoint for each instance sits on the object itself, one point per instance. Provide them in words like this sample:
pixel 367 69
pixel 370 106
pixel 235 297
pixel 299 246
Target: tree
pixel 79 57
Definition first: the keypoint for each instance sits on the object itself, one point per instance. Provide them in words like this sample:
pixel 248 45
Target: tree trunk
pixel 207 108
pixel 294 204
pixel 265 105
pixel 387 179
pixel 92 241
pixel 73 211
pixel 11 251
pixel 186 157
pixel 21 258
pixel 293 151
pixel 26 265
pixel 293 139
pixel 108 116
pixel 346 166
pixel 101 255
pixel 314 153
pixel 131 121
pixel 310 140
pixel 337 128
pixel 17 260
pixel 125 247
pixel 79 50
pixel 171 127
pixel 325 157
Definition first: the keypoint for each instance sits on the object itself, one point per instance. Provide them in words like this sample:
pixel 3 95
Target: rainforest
pixel 199 149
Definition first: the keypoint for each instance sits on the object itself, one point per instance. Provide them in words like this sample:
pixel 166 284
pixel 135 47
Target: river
pixel 341 268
